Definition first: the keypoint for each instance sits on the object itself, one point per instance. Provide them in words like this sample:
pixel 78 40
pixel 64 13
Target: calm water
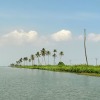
pixel 27 84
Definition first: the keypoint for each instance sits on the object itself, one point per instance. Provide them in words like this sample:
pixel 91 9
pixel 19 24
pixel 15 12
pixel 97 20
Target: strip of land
pixel 79 69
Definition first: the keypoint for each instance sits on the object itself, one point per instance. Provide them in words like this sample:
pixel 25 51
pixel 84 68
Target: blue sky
pixel 48 18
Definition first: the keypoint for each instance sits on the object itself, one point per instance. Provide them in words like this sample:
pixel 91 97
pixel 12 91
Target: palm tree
pixel 54 55
pixel 20 60
pixel 43 53
pixel 29 61
pixel 25 59
pixel 17 62
pixel 48 54
pixel 32 58
pixel 54 50
pixel 61 54
pixel 38 55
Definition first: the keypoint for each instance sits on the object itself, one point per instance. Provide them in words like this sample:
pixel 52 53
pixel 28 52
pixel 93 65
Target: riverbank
pixel 79 69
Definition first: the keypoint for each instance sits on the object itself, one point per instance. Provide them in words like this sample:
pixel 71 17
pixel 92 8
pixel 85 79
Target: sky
pixel 27 26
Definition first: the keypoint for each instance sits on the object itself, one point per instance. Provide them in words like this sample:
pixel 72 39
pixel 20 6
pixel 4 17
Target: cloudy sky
pixel 27 26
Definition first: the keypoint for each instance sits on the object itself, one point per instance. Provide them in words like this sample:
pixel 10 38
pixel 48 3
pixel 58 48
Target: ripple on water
pixel 27 84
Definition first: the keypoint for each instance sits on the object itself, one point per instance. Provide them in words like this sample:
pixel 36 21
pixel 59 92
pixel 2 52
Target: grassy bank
pixel 80 69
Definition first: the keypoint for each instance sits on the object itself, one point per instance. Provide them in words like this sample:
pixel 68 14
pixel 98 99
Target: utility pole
pixel 96 60
pixel 70 62
pixel 85 46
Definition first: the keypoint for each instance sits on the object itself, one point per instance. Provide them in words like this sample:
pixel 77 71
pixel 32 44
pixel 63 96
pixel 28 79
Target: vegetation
pixel 54 55
pixel 61 64
pixel 32 58
pixel 42 54
pixel 48 53
pixel 82 69
pixel 61 54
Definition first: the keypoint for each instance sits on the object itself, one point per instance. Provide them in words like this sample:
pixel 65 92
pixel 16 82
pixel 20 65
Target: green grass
pixel 80 69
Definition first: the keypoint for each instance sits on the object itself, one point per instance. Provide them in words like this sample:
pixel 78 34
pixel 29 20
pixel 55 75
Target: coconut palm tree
pixel 61 54
pixel 25 59
pixel 43 53
pixel 32 58
pixel 20 61
pixel 17 62
pixel 29 61
pixel 54 55
pixel 38 55
pixel 54 50
pixel 48 54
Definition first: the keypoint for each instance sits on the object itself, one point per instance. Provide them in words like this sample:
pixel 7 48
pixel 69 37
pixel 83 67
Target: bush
pixel 61 63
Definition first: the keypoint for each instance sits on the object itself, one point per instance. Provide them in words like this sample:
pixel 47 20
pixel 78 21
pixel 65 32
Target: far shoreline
pixel 77 69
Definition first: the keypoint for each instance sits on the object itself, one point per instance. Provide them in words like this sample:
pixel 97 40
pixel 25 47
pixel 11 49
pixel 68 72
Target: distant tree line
pixel 42 54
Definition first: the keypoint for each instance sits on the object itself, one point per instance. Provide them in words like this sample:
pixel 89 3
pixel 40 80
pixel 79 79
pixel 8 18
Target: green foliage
pixel 88 70
pixel 41 58
pixel 61 64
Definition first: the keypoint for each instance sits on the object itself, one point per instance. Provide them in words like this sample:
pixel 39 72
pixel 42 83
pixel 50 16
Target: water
pixel 27 84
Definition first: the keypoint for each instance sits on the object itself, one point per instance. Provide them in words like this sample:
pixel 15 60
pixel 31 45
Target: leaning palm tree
pixel 43 53
pixel 32 58
pixel 17 63
pixel 54 55
pixel 20 61
pixel 38 55
pixel 48 54
pixel 61 54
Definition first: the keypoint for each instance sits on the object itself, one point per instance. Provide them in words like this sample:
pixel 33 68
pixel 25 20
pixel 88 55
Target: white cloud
pixel 62 35
pixel 18 37
pixel 80 37
pixel 21 37
pixel 91 37
pixel 94 37
pixel 32 37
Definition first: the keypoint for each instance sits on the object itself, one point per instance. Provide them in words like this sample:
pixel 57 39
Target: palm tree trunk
pixel 39 61
pixel 32 62
pixel 85 46
pixel 60 58
pixel 48 59
pixel 24 63
pixel 54 60
pixel 44 60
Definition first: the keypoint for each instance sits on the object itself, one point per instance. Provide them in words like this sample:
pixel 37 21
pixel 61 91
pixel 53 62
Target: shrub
pixel 61 64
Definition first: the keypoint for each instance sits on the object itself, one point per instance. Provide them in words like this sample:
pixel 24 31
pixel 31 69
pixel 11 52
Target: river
pixel 28 84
